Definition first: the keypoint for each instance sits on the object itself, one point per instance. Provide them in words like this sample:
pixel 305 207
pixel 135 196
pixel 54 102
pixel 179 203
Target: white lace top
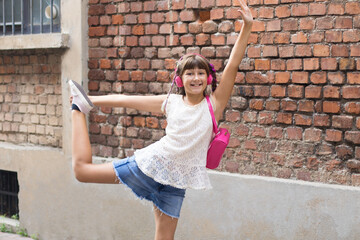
pixel 179 158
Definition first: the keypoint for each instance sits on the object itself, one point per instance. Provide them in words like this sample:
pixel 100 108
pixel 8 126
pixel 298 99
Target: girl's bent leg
pixel 165 225
pixel 83 168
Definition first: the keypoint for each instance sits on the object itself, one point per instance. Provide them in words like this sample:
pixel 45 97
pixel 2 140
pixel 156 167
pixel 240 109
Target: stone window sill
pixel 34 41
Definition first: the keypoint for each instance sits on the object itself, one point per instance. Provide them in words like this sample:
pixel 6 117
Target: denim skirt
pixel 166 198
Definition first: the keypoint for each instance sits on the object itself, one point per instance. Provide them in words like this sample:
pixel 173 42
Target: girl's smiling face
pixel 195 81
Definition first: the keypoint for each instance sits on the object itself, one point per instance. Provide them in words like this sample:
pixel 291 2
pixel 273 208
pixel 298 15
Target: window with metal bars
pixel 29 16
pixel 9 189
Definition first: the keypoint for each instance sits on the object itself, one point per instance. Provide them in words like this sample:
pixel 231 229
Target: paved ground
pixel 9 236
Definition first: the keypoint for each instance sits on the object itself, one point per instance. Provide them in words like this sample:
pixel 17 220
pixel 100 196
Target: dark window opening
pixel 9 189
pixel 29 16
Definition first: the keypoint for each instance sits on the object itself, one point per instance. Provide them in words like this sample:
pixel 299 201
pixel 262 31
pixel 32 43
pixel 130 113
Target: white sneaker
pixel 80 98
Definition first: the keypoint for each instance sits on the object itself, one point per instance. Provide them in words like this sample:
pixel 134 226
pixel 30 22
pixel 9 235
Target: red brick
pixel 202 39
pixel 285 118
pixel 278 65
pixel 352 107
pixel 351 35
pixel 328 64
pixel 336 77
pixel 303 120
pixel 311 64
pixel 282 77
pixel 318 77
pixel 97 31
pixel 278 91
pixel 294 133
pixel 312 135
pixel 333 36
pixel 158 17
pixel 265 12
pixel 325 23
pixel 282 38
pixel 321 120
pixel 307 24
pixel 261 91
pixel 249 116
pixel 344 151
pixel 306 106
pixel 256 104
pixel 316 37
pixel 242 130
pixel 232 116
pixel 171 16
pixel 343 23
pixel 358 124
pixel 286 51
pixel 270 51
pixel 105 64
pixel 331 92
pixel 262 64
pixel 339 51
pixel 258 132
pixel 187 16
pixel 300 77
pixel 273 26
pixel 288 105
pixel 317 9
pixel 353 136
pixel 303 51
pixel 313 92
pixel 343 122
pixel 96 10
pixel 350 92
pixel 282 11
pixel 256 78
pixel 352 8
pixel 353 78
pixel 355 50
pixel 272 105
pixel 195 27
pixel 346 64
pixel 216 14
pixel 294 64
pixel 258 26
pixel 180 27
pixel 299 10
pixel 321 50
pixel 266 118
pixel 289 25
pixel 331 107
pixel 336 9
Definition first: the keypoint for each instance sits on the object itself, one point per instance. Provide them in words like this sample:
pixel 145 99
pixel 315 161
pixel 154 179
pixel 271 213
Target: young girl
pixel 162 171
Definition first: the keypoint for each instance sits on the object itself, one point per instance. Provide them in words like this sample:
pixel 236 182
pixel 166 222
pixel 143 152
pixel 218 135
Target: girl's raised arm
pixel 141 103
pixel 223 91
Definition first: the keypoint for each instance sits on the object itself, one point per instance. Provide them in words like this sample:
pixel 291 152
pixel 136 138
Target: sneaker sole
pixel 83 96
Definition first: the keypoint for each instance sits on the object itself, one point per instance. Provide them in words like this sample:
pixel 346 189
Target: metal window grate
pixel 29 16
pixel 9 189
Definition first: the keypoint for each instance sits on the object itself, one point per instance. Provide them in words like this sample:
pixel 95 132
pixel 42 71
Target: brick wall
pixel 295 108
pixel 30 97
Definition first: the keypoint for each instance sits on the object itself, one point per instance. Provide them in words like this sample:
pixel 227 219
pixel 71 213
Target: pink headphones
pixel 178 79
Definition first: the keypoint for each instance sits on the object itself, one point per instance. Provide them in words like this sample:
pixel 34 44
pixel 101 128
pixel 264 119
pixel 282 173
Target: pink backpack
pixel 219 142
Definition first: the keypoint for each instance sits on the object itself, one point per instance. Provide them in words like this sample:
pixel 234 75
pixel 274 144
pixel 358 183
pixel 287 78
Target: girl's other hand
pixel 245 12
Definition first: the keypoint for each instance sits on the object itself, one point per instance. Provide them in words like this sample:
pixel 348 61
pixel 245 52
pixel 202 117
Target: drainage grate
pixel 9 188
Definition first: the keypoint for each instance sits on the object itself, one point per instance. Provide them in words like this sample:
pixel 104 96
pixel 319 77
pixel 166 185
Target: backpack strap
pixel 215 128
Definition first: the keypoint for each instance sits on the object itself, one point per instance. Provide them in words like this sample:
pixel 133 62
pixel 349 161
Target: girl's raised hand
pixel 245 12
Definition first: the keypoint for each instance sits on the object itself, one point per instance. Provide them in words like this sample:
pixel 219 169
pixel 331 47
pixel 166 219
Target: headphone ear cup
pixel 210 79
pixel 178 81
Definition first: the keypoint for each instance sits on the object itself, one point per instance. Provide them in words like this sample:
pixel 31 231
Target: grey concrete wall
pixel 55 206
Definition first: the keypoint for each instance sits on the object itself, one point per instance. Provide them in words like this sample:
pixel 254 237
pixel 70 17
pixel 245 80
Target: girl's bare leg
pixel 83 168
pixel 165 225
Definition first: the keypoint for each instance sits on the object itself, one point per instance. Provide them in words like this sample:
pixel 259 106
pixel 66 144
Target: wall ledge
pixel 34 41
